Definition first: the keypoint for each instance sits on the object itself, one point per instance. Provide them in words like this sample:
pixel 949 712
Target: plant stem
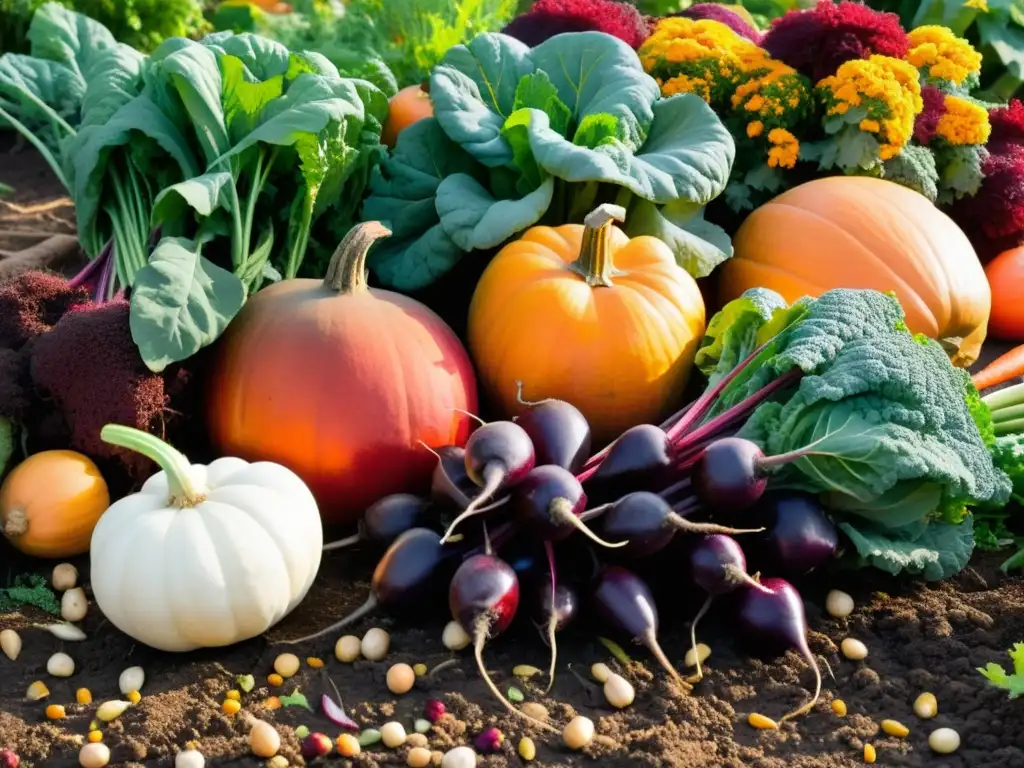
pixel 594 263
pixel 346 272
pixel 40 147
pixel 1004 398
pixel 250 207
pixel 184 492
pixel 298 249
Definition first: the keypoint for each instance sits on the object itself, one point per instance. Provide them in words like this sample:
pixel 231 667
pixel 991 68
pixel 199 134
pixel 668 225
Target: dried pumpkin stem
pixel 184 492
pixel 594 263
pixel 16 523
pixel 346 272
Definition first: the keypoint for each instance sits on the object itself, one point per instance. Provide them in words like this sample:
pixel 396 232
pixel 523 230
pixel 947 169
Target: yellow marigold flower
pixel 755 129
pixel 785 149
pixel 963 122
pixel 942 55
pixel 978 5
pixel 871 126
pixel 755 103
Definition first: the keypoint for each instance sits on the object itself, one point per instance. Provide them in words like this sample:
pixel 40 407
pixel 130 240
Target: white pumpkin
pixel 203 556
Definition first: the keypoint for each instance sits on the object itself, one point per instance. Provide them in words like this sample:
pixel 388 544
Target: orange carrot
pixel 1001 370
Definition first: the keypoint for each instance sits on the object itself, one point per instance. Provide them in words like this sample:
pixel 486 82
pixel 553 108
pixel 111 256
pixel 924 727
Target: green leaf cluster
pixel 1012 683
pixel 29 589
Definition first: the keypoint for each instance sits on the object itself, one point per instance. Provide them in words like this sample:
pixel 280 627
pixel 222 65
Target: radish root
pixel 549 549
pixel 366 608
pixel 651 642
pixel 690 527
pixel 697 676
pixel 348 541
pixel 817 691
pixel 494 480
pixel 561 512
pixel 528 403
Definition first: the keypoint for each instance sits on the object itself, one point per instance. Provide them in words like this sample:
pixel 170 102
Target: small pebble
pixel 600 672
pixel 578 733
pixel 189 758
pixel 536 711
pixel 375 644
pixel 347 649
pixel 286 665
pixel 926 706
pixel 94 756
pixel 392 734
pixel 869 753
pixel 944 741
pixel 853 649
pixel 702 653
pixel 416 740
pixel 60 665
pixel 422 725
pixel 401 679
pixel 459 757
pixel 895 728
pixel 418 757
pixel 454 637
pixel 838 604
pixel 64 577
pixel 527 749
pixel 74 605
pixel 839 707
pixel 348 745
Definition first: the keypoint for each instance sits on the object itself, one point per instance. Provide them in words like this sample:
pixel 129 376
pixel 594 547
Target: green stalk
pixel 298 250
pixel 129 247
pixel 250 208
pixel 56 119
pixel 40 147
pixel 1004 398
pixel 1009 413
pixel 238 240
pixel 184 491
pixel 1009 427
pixel 119 245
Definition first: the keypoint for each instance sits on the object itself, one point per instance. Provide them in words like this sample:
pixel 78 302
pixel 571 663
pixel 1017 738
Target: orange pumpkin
pixel 341 383
pixel 587 315
pixel 856 232
pixel 409 105
pixel 1005 275
pixel 50 503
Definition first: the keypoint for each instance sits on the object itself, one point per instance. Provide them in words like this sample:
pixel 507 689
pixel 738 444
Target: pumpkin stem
pixel 184 492
pixel 346 272
pixel 16 524
pixel 594 263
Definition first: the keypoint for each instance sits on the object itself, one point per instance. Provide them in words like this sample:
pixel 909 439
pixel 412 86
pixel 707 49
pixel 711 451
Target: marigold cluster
pixel 785 149
pixel 776 98
pixel 941 55
pixel 887 92
pixel 963 122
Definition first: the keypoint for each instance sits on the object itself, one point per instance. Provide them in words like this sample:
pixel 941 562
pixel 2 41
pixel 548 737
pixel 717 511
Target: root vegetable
pixel 64 577
pixel 74 604
pixel 386 520
pixel 558 430
pixel 549 501
pixel 60 665
pixel 10 644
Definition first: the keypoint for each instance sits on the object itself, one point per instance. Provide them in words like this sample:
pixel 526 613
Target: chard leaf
pixel 244 97
pixel 203 194
pixel 69 38
pixel 195 76
pixel 536 91
pixel 180 303
pixel 263 58
pixel 732 333
pixel 475 220
pixel 934 552
pixel 114 80
pixel 699 246
pixel 25 81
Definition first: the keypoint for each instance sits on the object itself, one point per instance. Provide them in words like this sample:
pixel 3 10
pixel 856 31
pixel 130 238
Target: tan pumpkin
pixel 587 315
pixel 855 232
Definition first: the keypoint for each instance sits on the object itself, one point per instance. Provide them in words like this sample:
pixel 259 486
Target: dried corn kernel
pixel 272 702
pixel 926 706
pixel 37 691
pixel 233 695
pixel 762 722
pixel 55 712
pixel 111 710
pixel 134 697
pixel 83 696
pixel 275 679
pixel 314 662
pixel 527 749
pixel 895 728
pixel 230 707
pixel 95 737
pixel 869 753
pixel 839 707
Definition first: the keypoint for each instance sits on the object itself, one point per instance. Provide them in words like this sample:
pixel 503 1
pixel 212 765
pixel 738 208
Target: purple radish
pixel 498 455
pixel 770 616
pixel 558 604
pixel 638 458
pixel 483 598
pixel 559 432
pixel 647 523
pixel 799 538
pixel 450 485
pixel 549 500
pixel 624 601
pixel 401 577
pixel 730 474
pixel 386 520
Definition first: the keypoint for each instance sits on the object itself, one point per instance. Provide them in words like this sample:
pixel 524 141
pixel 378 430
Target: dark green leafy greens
pixel 545 135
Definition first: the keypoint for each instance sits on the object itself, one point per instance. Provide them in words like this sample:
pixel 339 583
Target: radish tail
pixel 549 549
pixel 590 514
pixel 342 543
pixel 528 403
pixel 699 674
pixel 473 416
pixel 480 640
pixel 817 689
pixel 453 490
pixel 690 527
pixel 366 608
pixel 473 508
pixel 561 512
pixel 652 645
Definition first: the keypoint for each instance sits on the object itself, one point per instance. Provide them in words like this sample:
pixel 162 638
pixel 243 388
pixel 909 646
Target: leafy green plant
pixel 29 589
pixel 522 136
pixel 1013 682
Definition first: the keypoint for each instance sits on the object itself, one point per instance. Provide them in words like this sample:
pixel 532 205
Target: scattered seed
pixel 316 745
pixel 369 737
pixel 762 722
pixel 74 604
pixel 536 711
pixel 246 682
pixel 416 740
pixel 618 691
pixel 272 702
pixel 578 733
pixel 418 757
pixel 869 753
pixel 132 679
pixel 233 695
pixel 286 665
pixel 189 758
pixel 94 725
pixel 392 734
pixel 945 741
pixel 301 732
pixel 55 712
pixel 134 697
pixel 459 757
pixel 838 604
pixel 895 728
pixel 600 672
pixel 488 741
pixel 64 577
pixel 420 669
pixel 525 671
pixel 95 736
pixel 111 710
pixel 10 644
pixel 421 725
pixel 94 756
pixel 264 740
pixel 230 707
pixel 375 643
pixel 691 658
pixel 926 706
pixel 275 679
pixel 64 631
pixel 314 662
pixel 839 707
pixel 347 649
pixel 60 665
pixel 401 679
pixel 83 696
pixel 37 691
pixel 515 695
pixel 853 649
pixel 527 749
pixel 277 761
pixel 454 637
pixel 348 745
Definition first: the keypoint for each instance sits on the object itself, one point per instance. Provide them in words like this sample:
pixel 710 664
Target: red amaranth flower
pixel 31 303
pixel 1007 127
pixel 548 18
pixel 817 41
pixel 927 122
pixel 994 218
pixel 723 15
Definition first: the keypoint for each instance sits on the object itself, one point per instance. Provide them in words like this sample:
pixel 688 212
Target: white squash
pixel 203 556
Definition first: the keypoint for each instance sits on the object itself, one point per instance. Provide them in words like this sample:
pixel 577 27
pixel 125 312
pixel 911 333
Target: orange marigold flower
pixel 755 129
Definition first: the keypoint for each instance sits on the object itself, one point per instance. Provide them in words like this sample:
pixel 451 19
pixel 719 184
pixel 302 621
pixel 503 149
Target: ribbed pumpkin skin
pixel 340 389
pixel 854 232
pixel 621 354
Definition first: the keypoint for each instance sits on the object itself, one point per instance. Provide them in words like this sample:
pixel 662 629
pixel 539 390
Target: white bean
pixel 60 665
pixel 838 604
pixel 945 741
pixel 854 649
pixel 375 644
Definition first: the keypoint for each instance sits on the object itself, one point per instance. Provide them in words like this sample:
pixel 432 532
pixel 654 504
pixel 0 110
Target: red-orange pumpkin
pixel 340 383
pixel 1006 278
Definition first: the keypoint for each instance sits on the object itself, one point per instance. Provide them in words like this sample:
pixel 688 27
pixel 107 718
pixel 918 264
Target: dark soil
pixel 921 638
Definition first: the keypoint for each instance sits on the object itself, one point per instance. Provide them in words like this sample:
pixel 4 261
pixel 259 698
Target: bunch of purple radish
pixel 535 476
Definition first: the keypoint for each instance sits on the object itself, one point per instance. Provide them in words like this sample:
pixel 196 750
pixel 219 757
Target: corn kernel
pixel 762 722
pixel 37 691
pixel 134 697
pixel 926 706
pixel 895 728
pixel 233 695
pixel 275 679
pixel 272 702
pixel 839 707
pixel 95 737
pixel 83 696
pixel 869 753
pixel 527 749
pixel 348 745
pixel 94 726
pixel 420 669
pixel 314 662
pixel 55 712
pixel 230 707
